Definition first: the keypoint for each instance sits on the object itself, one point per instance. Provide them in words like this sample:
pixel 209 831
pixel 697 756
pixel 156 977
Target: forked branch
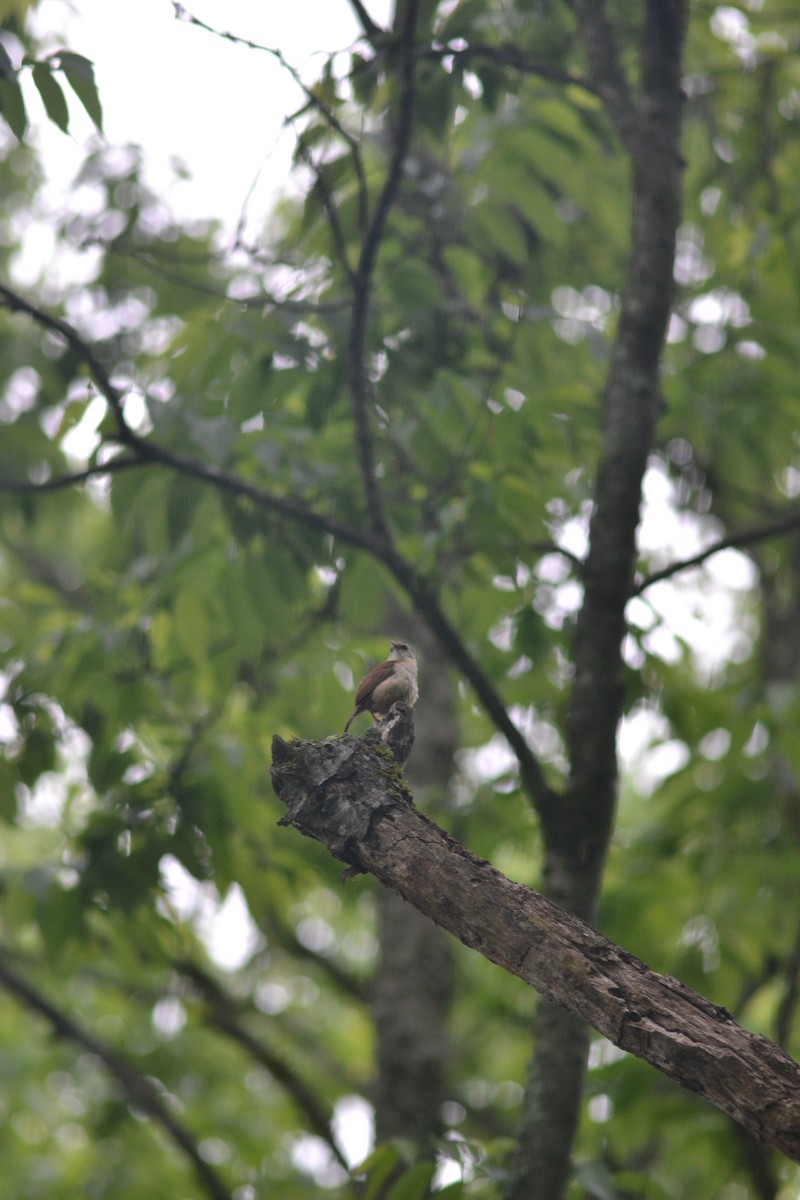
pixel 786 524
pixel 138 1088
pixel 148 453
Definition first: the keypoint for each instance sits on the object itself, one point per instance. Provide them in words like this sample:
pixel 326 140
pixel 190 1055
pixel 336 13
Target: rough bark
pixel 413 988
pixel 577 830
pixel 349 794
pixel 780 665
pixel 413 983
pixel 552 1104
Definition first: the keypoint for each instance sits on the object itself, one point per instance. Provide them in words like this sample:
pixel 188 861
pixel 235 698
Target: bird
pixel 389 682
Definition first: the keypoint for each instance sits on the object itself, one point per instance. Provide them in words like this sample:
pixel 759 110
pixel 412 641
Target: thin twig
pixel 138 1088
pixel 357 347
pixel 57 483
pixel 16 303
pixel 511 56
pixel 150 454
pixel 372 32
pixel 173 273
pixel 734 541
pixel 224 1016
pixel 553 548
pixel 331 212
pixel 313 99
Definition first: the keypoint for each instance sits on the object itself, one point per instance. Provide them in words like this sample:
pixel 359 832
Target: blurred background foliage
pixel 156 630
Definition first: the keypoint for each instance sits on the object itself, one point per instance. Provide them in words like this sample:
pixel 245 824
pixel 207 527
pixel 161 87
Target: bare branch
pixel 631 410
pixel 733 541
pixel 313 99
pixel 223 1015
pixel 16 303
pixel 139 1090
pixel 362 284
pixel 372 32
pixel 511 56
pixel 331 212
pixel 58 483
pixel 425 601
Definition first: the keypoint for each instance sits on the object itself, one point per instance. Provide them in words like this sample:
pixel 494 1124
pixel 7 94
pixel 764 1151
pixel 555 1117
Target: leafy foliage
pixel 161 620
pixel 77 72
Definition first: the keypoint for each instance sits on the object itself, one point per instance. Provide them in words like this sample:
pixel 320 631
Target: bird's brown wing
pixel 375 677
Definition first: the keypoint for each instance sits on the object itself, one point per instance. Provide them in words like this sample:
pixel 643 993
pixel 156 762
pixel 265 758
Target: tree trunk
pixel 414 979
pixel 578 830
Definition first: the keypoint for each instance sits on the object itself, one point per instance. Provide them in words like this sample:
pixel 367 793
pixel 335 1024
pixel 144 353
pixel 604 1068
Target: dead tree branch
pixel 346 794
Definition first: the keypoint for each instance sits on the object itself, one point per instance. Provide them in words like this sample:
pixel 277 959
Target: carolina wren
pixel 390 681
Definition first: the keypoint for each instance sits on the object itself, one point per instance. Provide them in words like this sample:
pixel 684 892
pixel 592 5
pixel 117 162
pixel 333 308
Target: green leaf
pixel 6 65
pixel 8 799
pixel 12 8
pixel 414 1184
pixel 596 1178
pixel 192 625
pixel 106 766
pixel 76 409
pixel 378 1167
pixel 52 96
pixel 12 106
pixel 80 76
pixel 216 436
pixel 435 101
pixel 499 229
pixel 462 20
pixel 363 78
pixel 38 756
pixel 415 285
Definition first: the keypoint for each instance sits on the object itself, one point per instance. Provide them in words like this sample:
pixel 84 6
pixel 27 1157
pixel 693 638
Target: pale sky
pixel 183 93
